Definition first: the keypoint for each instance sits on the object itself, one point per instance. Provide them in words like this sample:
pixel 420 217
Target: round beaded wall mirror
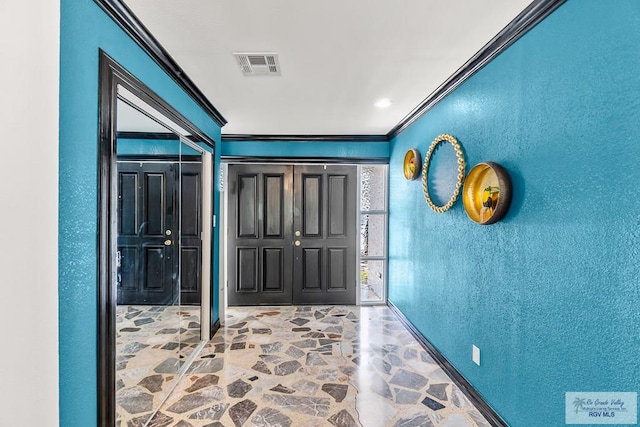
pixel 443 173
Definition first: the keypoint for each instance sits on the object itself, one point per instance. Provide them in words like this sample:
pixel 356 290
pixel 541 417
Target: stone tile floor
pixel 312 366
pixel 152 344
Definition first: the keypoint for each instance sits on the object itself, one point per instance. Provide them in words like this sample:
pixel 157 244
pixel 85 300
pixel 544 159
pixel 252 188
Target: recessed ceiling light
pixel 383 103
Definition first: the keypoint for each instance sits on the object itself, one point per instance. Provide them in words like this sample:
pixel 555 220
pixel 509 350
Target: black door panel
pixel 145 212
pixel 190 203
pixel 324 264
pixel 260 206
pixel 151 247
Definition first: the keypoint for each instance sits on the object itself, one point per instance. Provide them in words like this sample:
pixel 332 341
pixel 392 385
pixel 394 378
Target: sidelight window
pixel 373 234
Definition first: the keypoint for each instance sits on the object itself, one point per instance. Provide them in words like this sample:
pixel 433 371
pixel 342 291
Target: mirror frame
pixel 112 74
pixel 442 139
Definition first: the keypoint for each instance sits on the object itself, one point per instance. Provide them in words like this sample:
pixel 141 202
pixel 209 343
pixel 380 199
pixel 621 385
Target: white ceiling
pixel 337 57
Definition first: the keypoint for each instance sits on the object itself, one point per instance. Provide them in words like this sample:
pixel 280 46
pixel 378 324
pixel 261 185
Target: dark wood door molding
pixel 111 75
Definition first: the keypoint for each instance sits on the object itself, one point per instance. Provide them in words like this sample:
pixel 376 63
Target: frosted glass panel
pixel 373 183
pixel 372 235
pixel 372 281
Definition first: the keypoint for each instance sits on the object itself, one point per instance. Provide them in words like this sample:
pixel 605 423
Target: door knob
pixel 167 242
pixel 297 243
pixel 297 233
pixel 168 232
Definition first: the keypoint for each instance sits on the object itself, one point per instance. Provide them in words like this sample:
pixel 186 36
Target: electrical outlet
pixel 476 355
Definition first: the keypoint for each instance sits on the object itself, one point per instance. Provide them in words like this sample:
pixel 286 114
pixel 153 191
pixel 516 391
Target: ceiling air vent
pixel 258 64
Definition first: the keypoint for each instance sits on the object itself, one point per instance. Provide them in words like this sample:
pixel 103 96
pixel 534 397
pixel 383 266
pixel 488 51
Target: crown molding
pixel 124 17
pixel 305 138
pixel 526 20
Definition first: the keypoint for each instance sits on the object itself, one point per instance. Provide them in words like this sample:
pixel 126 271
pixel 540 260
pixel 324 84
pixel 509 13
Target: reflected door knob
pixel 167 242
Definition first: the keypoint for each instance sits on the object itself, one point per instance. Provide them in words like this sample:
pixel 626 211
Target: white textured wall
pixel 29 47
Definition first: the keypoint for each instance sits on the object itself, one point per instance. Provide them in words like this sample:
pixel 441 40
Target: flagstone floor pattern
pixel 311 366
pixel 152 344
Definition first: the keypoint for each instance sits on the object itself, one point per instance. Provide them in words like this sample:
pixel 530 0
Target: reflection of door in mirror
pixel 158 257
pixel 190 247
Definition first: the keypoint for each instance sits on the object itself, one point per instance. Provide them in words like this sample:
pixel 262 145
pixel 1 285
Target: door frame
pixel 224 209
pixel 111 77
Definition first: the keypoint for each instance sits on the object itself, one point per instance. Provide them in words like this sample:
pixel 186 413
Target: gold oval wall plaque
pixel 444 138
pixel 487 193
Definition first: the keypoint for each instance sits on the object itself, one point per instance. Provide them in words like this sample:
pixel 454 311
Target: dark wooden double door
pixel 292 234
pixel 159 225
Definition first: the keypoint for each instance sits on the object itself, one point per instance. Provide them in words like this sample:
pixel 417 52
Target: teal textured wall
pixel 85 29
pixel 154 147
pixel 318 149
pixel 550 294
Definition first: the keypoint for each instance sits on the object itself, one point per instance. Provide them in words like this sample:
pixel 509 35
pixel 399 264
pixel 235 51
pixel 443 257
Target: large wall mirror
pixel 155 247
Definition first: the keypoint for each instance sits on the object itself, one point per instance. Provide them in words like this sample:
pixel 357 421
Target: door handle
pixel 167 242
pixel 297 233
pixel 297 243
